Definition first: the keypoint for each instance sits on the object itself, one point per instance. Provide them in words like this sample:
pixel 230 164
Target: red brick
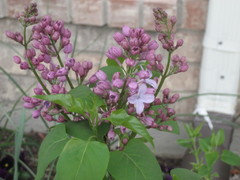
pixel 192 47
pixel 7 53
pixel 58 9
pixel 194 14
pixel 2 9
pixel 15 6
pixel 89 12
pixel 170 6
pixel 186 81
pixel 123 12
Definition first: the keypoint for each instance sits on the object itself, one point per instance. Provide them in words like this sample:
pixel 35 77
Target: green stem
pixel 195 151
pixel 61 63
pixel 123 89
pixel 164 76
pixel 36 74
pixel 31 65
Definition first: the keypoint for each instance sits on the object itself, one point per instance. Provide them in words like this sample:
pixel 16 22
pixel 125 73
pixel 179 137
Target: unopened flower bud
pixel 24 65
pixel 118 37
pixel 166 92
pixel 10 35
pixel 118 83
pixel 62 71
pixel 130 62
pixel 113 96
pixel 98 90
pixel 28 105
pixel 145 38
pixel 174 98
pixel 36 114
pixel 49 29
pixel 173 20
pixel 17 59
pixel 153 45
pixel 125 141
pixel 68 48
pixel 114 52
pixel 51 75
pixel 179 43
pixel 101 75
pixel 111 134
pixel 93 79
pixel 70 62
pixel 143 74
pixel 55 35
pixel 55 88
pixel 126 30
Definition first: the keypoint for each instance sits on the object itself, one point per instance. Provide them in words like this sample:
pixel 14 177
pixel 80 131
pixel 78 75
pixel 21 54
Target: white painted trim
pixel 220 68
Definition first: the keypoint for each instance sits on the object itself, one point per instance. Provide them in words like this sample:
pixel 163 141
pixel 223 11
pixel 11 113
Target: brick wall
pixel 94 22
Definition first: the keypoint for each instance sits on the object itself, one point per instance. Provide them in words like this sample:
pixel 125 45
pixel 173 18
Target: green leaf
pixel 174 126
pixel 156 74
pixel 18 141
pixel 86 94
pixel 110 70
pixel 79 100
pixel 135 162
pixel 87 160
pixel 189 130
pixel 196 131
pixel 80 129
pixel 50 148
pixel 156 107
pixel 112 62
pixel 218 138
pixel 103 130
pixel 230 158
pixel 185 142
pixel 211 158
pixel 121 118
pixel 184 174
pixel 203 170
pixel 204 144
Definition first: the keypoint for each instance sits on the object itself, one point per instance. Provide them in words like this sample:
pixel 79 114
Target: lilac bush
pixel 118 102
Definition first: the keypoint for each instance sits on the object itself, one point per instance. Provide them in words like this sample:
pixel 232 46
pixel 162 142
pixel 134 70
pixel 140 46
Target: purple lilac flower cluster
pixel 134 88
pixel 47 40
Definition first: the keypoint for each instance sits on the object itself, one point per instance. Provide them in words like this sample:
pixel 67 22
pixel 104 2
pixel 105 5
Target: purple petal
pixel 147 98
pixel 139 107
pixel 133 99
pixel 152 83
pixel 142 89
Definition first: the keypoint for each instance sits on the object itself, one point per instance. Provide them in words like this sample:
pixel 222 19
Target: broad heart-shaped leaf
pixel 86 160
pixel 79 100
pixel 110 70
pixel 230 158
pixel 79 129
pixel 86 94
pixel 184 174
pixel 88 100
pixel 50 148
pixel 135 162
pixel 121 118
pixel 173 124
pixel 102 130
